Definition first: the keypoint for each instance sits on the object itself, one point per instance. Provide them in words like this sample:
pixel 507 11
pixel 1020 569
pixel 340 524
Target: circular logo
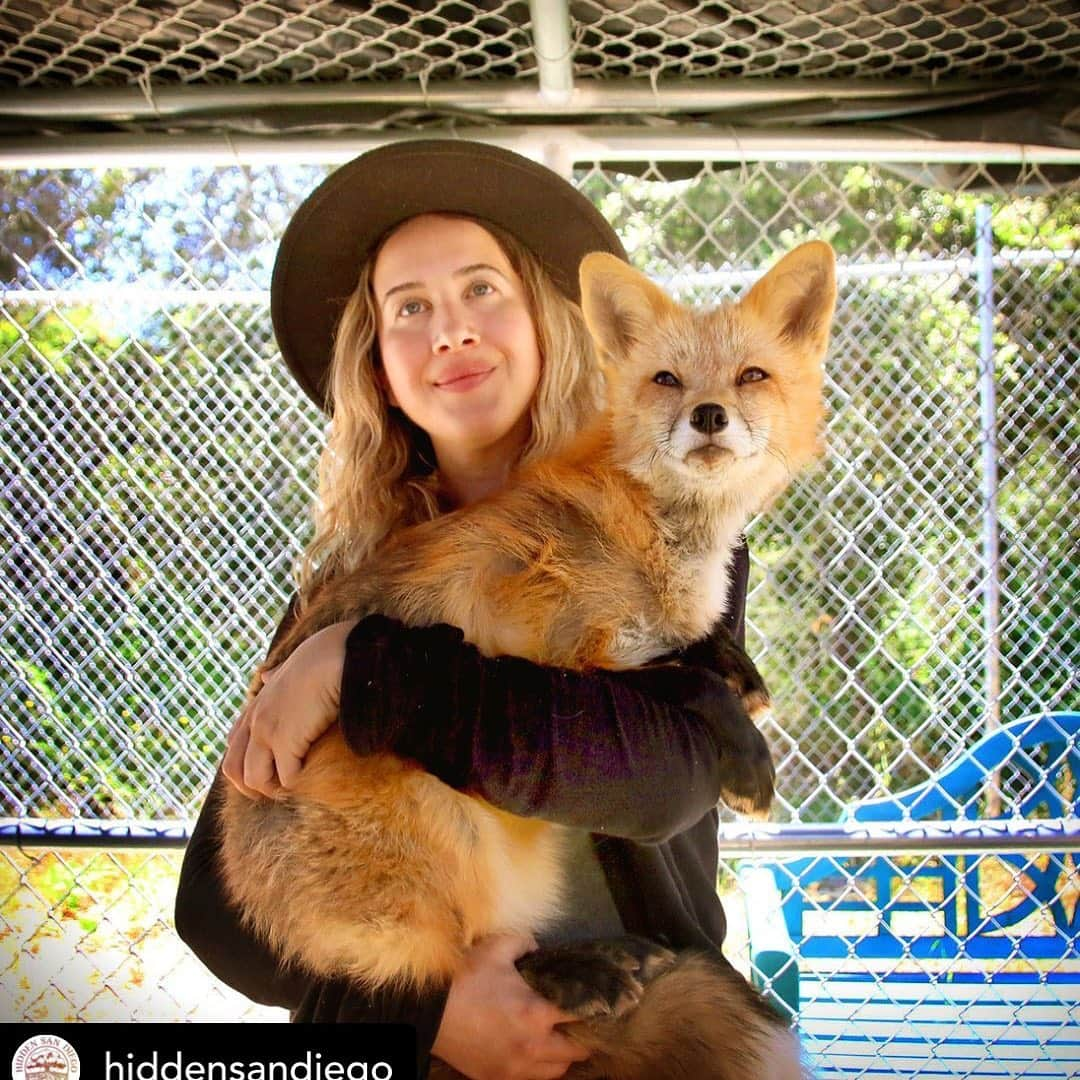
pixel 45 1057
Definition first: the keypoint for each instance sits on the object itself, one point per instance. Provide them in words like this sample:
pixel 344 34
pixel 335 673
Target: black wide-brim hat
pixel 340 223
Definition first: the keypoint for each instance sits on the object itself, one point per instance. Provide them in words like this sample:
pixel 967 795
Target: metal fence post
pixel 984 263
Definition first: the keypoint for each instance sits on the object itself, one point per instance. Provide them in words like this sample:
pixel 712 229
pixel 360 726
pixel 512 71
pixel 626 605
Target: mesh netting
pixel 100 43
pixel 103 43
pixel 809 38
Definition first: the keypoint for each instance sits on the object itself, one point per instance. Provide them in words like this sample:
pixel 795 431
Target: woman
pixel 456 357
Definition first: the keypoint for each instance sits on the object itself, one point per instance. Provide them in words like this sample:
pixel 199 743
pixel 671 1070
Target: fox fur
pixel 607 555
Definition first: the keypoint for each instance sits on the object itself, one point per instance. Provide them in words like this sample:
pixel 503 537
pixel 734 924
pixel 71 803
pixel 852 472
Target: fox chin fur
pixel 609 554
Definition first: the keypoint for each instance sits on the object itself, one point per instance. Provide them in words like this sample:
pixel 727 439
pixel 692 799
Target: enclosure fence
pixel 913 592
pixel 277 42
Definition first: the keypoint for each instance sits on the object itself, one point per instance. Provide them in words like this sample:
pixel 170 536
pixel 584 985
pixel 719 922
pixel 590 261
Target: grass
pixel 87 935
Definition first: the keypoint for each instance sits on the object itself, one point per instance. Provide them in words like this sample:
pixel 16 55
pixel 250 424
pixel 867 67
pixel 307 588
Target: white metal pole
pixel 553 48
pixel 553 44
pixel 984 260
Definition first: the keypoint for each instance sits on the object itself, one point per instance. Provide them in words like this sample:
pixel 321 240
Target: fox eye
pixel 751 374
pixel 666 378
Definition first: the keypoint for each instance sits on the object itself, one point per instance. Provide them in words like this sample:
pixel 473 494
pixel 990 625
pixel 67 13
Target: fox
pixel 611 553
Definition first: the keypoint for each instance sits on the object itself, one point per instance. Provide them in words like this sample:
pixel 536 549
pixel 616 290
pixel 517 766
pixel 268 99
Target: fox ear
pixel 798 295
pixel 619 303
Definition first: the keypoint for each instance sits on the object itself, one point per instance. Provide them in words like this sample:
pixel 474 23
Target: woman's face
pixel 459 350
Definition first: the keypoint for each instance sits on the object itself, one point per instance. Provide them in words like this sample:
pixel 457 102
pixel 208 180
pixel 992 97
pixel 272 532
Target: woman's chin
pixel 480 434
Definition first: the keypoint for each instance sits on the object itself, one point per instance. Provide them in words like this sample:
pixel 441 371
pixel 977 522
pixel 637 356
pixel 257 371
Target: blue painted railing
pixel 879 896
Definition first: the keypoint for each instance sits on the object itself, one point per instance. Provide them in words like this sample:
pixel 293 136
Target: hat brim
pixel 340 223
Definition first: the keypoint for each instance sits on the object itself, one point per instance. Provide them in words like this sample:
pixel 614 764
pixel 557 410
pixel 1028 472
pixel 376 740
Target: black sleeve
pixel 735 619
pixel 634 754
pixel 212 928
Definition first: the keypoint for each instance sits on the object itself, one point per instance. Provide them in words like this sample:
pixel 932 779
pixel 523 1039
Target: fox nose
pixel 708 418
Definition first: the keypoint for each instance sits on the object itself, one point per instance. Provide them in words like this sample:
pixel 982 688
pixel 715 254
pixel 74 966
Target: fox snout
pixel 708 438
pixel 709 418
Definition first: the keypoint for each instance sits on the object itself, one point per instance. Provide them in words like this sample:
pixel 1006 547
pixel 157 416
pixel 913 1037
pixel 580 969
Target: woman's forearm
pixel 639 754
pixel 634 754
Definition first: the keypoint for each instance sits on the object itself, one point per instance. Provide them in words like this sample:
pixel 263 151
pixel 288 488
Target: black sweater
pixel 631 757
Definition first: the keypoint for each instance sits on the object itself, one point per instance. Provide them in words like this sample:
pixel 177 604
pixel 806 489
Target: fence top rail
pixel 518 96
pixel 840 838
pixel 854 838
pixel 559 146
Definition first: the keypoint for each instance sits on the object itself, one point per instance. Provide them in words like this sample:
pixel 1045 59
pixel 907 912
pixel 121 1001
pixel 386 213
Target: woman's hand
pixel 495 1027
pixel 299 700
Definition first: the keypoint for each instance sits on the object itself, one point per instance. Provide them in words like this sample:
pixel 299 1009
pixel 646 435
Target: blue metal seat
pixel 911 944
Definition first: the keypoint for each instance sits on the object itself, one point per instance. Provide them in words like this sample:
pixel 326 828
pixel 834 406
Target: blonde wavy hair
pixel 377 471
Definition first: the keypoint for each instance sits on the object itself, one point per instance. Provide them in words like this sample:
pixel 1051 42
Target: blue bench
pixel 948 960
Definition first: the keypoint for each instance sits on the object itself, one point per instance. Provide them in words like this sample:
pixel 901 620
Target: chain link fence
pixel 158 469
pixel 99 43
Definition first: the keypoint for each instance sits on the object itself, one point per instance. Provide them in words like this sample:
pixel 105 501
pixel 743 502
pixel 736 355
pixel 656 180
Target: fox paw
pixel 722 654
pixel 748 777
pixel 595 978
pixel 748 780
pixel 744 679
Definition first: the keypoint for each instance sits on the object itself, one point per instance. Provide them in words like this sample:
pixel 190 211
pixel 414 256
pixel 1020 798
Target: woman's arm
pixel 587 750
pixel 641 754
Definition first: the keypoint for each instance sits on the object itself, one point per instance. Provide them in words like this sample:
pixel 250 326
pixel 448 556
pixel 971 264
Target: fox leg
pixel 650 1014
pixel 720 652
pixel 697 1020
pixel 748 776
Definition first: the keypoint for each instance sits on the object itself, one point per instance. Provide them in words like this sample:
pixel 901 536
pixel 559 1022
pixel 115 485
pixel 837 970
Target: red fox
pixel 609 554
